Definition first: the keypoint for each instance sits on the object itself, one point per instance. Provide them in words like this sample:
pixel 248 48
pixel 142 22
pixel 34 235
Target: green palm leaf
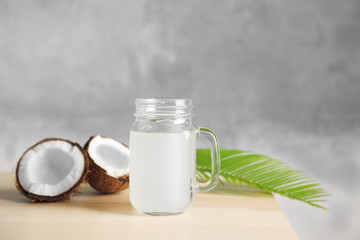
pixel 262 173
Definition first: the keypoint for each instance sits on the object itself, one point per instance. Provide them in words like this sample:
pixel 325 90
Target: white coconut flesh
pixel 51 168
pixel 110 155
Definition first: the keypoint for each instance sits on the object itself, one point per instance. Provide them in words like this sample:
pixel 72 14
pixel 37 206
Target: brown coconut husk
pixel 98 177
pixel 62 196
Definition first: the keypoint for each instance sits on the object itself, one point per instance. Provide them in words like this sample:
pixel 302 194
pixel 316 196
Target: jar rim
pixel 165 100
pixel 163 107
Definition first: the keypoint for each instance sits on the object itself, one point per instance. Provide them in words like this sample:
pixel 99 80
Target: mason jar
pixel 163 156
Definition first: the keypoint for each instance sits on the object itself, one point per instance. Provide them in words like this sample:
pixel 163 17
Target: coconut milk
pixel 162 171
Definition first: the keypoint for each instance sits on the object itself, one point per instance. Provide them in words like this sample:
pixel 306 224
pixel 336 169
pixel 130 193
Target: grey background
pixel 278 77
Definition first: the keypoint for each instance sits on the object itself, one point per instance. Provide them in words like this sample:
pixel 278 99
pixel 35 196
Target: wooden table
pixel 224 213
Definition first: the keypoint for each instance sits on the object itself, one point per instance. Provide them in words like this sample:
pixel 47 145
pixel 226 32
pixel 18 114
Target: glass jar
pixel 163 156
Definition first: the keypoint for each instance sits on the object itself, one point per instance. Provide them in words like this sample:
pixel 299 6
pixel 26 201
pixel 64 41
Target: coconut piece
pixel 51 170
pixel 109 164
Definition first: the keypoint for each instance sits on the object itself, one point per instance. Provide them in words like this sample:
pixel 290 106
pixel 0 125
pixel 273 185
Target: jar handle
pixel 215 159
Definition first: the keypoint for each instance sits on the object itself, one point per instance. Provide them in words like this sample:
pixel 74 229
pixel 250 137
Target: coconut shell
pixel 100 180
pixel 63 196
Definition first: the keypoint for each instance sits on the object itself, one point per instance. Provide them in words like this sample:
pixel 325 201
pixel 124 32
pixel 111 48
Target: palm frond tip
pixel 263 173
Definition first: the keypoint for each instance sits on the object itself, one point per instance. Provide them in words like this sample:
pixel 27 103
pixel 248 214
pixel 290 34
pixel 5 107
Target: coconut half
pixel 51 170
pixel 109 164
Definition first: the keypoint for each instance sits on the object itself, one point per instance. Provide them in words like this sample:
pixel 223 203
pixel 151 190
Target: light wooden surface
pixel 224 213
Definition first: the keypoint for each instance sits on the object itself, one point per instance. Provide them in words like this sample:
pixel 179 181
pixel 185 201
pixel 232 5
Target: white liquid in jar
pixel 162 171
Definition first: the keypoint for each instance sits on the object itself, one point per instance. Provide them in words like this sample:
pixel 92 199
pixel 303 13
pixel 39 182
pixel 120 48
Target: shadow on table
pixel 89 199
pixel 117 203
pixel 234 190
pixel 12 195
